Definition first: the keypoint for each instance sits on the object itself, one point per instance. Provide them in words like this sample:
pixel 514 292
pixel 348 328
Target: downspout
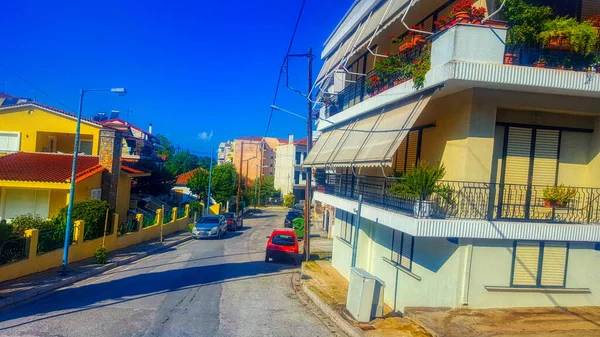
pixel 495 12
pixel 356 229
pixel 466 273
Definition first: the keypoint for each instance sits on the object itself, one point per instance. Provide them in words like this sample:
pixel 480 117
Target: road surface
pixel 199 288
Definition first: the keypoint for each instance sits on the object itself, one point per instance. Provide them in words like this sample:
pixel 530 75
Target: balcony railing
pixel 358 91
pixel 467 200
pixel 538 56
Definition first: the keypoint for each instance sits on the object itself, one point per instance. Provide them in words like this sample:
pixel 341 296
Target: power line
pixel 283 65
pixel 37 88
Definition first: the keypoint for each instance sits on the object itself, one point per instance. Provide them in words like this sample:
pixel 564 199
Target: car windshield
pixel 283 240
pixel 228 215
pixel 209 219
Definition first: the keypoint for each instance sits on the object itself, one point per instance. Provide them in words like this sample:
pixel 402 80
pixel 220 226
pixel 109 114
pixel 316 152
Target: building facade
pixel 248 161
pixel 289 175
pixel 508 133
pixel 225 153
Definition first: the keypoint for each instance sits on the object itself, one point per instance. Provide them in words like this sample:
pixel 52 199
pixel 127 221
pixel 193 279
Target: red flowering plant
pixel 442 22
pixel 477 14
pixel 463 6
pixel 595 20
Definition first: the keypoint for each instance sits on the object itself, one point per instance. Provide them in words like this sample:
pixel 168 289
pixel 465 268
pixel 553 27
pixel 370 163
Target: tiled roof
pixel 49 109
pixel 129 167
pixel 300 141
pixel 46 167
pixel 258 139
pixel 183 178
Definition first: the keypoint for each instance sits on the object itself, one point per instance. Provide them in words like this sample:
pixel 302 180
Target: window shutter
pixel 554 264
pixel 42 203
pixel 407 242
pixel 9 142
pixel 589 8
pixel 518 151
pixel 411 150
pixel 546 157
pixel 401 156
pixel 525 268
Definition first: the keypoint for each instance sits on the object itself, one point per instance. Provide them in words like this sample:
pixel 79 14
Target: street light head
pixel 275 107
pixel 120 91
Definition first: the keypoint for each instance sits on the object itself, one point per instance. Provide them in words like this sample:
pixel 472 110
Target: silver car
pixel 210 226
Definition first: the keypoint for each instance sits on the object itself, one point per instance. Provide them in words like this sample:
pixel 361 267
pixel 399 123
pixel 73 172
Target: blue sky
pixel 192 68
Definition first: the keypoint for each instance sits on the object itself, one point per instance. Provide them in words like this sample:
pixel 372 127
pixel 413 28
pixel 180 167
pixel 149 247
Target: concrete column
pixel 174 214
pixel 116 223
pixel 159 217
pixel 32 236
pixel 78 229
pixel 187 210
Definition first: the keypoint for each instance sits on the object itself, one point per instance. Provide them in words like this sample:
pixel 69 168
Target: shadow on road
pixel 88 297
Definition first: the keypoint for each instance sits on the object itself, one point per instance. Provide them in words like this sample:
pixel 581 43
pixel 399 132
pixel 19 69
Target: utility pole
pixel 310 57
pixel 209 183
pixel 256 185
pixel 262 147
pixel 237 204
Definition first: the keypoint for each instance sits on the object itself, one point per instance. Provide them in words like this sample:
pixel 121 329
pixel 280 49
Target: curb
pixel 342 323
pixel 26 295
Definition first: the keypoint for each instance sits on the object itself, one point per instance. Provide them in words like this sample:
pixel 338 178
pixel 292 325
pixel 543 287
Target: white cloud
pixel 205 136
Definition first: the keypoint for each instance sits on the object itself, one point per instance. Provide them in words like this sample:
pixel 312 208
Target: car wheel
pixel 267 257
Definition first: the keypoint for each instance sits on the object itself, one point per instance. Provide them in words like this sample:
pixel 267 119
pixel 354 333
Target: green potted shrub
pixel 525 22
pixel 558 196
pixel 420 184
pixel 565 33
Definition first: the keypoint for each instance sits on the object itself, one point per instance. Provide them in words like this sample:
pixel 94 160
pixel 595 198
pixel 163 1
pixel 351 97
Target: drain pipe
pixel 356 229
pixel 466 274
pixel 495 12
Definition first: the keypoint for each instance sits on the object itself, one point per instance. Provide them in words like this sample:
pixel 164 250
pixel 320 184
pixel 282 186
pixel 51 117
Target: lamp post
pixel 120 92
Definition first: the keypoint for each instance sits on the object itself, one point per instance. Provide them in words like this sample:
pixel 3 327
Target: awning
pixel 371 139
pixel 360 36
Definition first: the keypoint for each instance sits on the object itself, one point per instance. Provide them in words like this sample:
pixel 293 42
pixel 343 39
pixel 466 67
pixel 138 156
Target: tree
pixel 289 200
pixel 224 182
pixel 158 183
pixel 167 148
pixel 181 162
pixel 198 184
pixel 267 189
pixel 204 162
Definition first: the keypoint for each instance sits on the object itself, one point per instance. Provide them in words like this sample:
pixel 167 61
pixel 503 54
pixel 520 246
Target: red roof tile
pixel 129 168
pixel 46 167
pixel 51 109
pixel 183 178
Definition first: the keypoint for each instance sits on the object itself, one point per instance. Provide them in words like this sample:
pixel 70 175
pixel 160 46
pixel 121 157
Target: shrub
pixel 196 206
pixel 560 194
pixel 582 37
pixel 29 221
pixel 190 227
pixel 101 255
pixel 289 200
pixel 421 182
pixel 6 230
pixel 92 212
pixel 525 21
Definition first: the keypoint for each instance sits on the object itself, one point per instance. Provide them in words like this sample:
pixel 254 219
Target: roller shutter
pixel 554 264
pixel 526 262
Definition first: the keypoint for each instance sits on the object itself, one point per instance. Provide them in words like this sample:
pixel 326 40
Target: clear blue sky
pixel 190 67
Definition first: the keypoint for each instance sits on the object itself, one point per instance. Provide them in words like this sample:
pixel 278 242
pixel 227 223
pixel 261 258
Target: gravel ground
pixel 200 288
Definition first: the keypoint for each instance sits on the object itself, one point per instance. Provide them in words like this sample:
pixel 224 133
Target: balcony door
pixel 530 163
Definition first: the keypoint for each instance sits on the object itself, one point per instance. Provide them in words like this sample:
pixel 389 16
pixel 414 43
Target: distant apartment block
pixel 289 175
pixel 225 153
pixel 249 164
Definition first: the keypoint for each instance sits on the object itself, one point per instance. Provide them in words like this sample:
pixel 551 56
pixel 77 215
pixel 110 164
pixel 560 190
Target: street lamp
pixel 120 92
pixel 275 107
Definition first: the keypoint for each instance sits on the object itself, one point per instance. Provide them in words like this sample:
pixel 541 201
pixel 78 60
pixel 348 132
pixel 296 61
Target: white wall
pixel 284 168
pixel 187 194
pixel 341 252
pixel 492 263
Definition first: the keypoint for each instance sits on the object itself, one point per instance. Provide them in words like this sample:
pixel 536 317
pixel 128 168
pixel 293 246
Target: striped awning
pixel 368 140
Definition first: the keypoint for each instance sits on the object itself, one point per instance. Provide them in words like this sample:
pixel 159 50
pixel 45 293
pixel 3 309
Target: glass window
pixel 283 240
pixel 539 264
pixel 209 219
pixel 402 249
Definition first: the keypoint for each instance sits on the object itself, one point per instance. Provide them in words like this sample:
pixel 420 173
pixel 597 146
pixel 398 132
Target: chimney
pixel 291 138
pixel 111 144
pixel 150 128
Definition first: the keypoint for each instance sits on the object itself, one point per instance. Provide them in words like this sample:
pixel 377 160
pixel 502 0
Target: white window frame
pixel 86 141
pixel 18 134
pixel 97 192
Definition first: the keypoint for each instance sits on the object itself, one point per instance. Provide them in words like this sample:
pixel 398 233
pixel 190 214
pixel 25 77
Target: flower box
pixel 554 204
pixel 509 58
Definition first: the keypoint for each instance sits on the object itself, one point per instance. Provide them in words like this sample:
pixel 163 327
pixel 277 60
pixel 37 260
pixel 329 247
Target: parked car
pixel 282 244
pixel 299 207
pixel 289 218
pixel 210 226
pixel 233 222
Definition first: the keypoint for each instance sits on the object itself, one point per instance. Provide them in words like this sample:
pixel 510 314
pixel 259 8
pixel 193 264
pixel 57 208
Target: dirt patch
pixel 564 322
pixel 332 288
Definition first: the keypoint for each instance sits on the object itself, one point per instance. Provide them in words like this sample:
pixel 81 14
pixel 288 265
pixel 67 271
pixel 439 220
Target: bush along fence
pixel 41 249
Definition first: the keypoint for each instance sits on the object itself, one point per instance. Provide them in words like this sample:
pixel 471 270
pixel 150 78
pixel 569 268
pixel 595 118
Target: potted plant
pixel 526 22
pixel 558 196
pixel 477 15
pixel 417 38
pixel 419 185
pixel 565 33
pixel 541 63
pixel 509 58
pixel 595 22
pixel 462 11
pixel 442 22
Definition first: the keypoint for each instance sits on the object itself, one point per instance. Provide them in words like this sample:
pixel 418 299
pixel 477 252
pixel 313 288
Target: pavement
pixel 198 288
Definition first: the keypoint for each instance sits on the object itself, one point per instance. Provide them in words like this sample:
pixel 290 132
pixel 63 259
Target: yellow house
pixel 36 146
pixel 490 234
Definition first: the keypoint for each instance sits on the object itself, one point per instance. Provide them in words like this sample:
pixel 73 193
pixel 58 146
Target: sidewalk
pixel 331 288
pixel 29 286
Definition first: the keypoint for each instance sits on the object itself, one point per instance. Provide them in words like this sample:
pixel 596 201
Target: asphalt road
pixel 199 288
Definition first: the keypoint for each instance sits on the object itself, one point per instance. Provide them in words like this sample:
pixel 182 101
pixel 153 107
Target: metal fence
pixel 12 250
pixel 555 59
pixel 149 220
pixel 50 239
pixel 168 215
pixel 467 200
pixel 128 225
pixel 181 212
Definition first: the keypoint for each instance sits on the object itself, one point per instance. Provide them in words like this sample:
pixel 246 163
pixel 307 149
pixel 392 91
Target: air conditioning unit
pixel 365 295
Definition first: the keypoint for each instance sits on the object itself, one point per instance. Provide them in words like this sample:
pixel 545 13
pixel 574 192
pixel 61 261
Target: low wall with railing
pixel 124 233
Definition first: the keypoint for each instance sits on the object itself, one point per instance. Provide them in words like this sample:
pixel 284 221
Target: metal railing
pixel 12 250
pixel 360 90
pixel 128 226
pixel 554 59
pixel 467 200
pixel 50 239
pixel 181 212
pixel 149 220
pixel 168 215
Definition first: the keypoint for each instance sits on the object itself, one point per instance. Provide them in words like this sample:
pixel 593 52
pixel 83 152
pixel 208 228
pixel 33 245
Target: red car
pixel 282 244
